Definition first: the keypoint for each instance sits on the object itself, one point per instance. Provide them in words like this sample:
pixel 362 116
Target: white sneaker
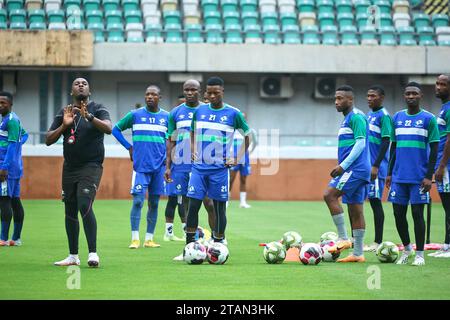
pixel 371 248
pixel 178 258
pixel 245 206
pixel 172 237
pixel 418 261
pixel 444 254
pixel 93 260
pixel 71 260
pixel 405 257
pixel 436 253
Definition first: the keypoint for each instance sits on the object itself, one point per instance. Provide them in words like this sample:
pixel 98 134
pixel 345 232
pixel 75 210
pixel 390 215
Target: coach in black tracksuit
pixel 82 125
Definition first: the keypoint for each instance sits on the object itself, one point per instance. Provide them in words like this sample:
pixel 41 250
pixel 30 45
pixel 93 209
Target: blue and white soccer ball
pixel 217 253
pixel 291 239
pixel 194 253
pixel 387 252
pixel 330 235
pixel 274 252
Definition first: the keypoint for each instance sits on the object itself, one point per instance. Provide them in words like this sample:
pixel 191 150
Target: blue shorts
pixel 244 169
pixel 212 183
pixel 407 193
pixel 354 189
pixel 444 186
pixel 375 189
pixel 153 182
pixel 11 188
pixel 179 186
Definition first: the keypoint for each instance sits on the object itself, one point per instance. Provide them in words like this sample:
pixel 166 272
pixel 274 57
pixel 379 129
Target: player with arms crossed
pixel 380 130
pixel 213 127
pixel 148 153
pixel 351 176
pixel 442 90
pixel 413 156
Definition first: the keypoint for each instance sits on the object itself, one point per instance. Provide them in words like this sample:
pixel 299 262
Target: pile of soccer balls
pixel 203 249
pixel 313 253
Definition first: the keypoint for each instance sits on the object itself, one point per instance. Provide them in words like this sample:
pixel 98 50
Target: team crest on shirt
pixel 223 119
pixel 162 121
pixel 202 116
pixel 181 116
pixel 399 123
pixel 419 124
pixel 191 189
pixel 143 119
pixel 178 186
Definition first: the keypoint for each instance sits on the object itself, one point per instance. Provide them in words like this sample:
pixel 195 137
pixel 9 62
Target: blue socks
pixel 339 221
pixel 135 216
pixel 152 213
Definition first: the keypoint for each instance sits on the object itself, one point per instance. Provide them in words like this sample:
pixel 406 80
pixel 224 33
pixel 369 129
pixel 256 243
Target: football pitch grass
pixel 27 272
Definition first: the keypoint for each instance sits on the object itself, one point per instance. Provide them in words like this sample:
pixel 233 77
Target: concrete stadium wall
pixel 297 179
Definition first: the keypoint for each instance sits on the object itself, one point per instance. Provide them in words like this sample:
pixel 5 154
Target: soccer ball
pixel 291 239
pixel 194 253
pixel 274 252
pixel 328 256
pixel 387 252
pixel 217 253
pixel 311 253
pixel 330 235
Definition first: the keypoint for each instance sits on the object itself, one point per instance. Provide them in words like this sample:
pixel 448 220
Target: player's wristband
pixel 90 117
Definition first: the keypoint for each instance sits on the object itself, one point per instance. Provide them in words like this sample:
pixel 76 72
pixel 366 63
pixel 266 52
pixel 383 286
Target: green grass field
pixel 27 272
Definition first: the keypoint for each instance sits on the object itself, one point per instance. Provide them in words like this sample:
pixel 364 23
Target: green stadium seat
pixel 153 33
pixel 214 34
pixel 349 36
pixel 133 16
pixel 173 33
pixel 91 5
pixel 115 32
pixel 229 5
pixel 99 36
pixel 111 5
pixel 384 5
pixel 444 43
pixel 406 36
pixel 249 5
pixel 72 3
pixel 17 19
pixel 3 19
pixel 94 16
pixel 386 20
pixel 14 5
pixel 387 36
pixel 326 19
pixel 130 5
pixel 368 35
pixel 344 6
pixel 249 19
pixel 421 20
pixel 230 18
pixel 361 6
pixel 194 33
pixel 440 20
pixel 306 6
pixel 233 34
pixel 271 34
pixel 269 19
pixel 113 17
pixel 329 35
pixel 345 19
pixel 172 17
pixel 252 33
pixel 325 6
pixel 73 11
pixel 426 36
pixel 361 20
pixel 416 3
pixel 212 18
pixel 210 6
pixel 291 34
pixel 55 16
pixel 310 35
pixel 37 19
pixel 288 19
